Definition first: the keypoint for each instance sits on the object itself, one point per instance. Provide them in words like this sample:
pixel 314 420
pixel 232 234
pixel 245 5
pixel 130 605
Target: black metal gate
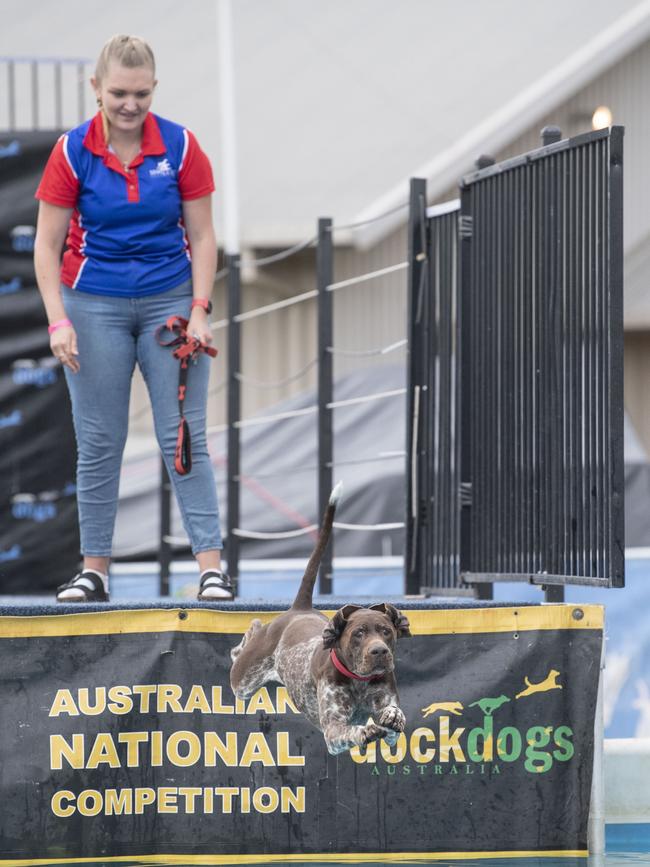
pixel 534 300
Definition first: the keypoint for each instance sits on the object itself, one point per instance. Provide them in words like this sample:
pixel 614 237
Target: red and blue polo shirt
pixel 126 234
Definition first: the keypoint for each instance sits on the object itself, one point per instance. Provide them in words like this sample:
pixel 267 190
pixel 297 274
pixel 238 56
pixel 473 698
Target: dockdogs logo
pixel 162 170
pixel 445 747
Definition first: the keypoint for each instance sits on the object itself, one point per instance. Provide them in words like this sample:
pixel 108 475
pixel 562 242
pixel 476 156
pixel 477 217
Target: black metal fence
pixel 537 313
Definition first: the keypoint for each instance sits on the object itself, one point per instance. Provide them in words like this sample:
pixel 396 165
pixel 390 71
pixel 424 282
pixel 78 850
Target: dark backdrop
pixel 39 542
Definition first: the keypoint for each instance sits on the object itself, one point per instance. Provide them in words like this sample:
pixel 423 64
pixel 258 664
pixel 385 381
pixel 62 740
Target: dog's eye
pixel 358 633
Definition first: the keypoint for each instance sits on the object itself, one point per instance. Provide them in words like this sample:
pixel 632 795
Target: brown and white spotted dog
pixel 338 673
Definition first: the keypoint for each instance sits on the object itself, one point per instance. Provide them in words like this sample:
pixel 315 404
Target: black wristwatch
pixel 205 303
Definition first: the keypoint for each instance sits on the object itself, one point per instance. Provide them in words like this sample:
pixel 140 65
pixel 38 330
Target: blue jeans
pixel 113 334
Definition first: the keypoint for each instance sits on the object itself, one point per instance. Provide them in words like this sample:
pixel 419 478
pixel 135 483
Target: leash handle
pixel 183 451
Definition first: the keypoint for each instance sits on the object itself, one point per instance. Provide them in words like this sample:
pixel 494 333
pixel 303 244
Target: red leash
pixel 186 348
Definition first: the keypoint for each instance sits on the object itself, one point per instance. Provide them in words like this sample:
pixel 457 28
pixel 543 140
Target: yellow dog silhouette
pixel 549 682
pixel 455 707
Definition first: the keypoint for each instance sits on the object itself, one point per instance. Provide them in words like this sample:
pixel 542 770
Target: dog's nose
pixel 379 650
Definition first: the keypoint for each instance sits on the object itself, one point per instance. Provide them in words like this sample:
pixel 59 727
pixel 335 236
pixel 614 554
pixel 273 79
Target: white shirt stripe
pixel 186 143
pixel 67 156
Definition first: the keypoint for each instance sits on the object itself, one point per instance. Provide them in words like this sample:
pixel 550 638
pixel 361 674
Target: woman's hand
pixel 63 343
pixel 199 325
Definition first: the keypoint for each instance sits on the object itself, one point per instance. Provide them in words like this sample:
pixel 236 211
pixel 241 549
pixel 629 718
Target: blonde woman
pixel 128 194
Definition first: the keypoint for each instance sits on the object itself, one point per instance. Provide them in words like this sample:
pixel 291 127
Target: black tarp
pixel 279 477
pixel 39 544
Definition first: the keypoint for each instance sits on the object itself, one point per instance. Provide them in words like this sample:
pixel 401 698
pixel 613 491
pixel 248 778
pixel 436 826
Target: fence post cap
pixel 551 134
pixel 484 161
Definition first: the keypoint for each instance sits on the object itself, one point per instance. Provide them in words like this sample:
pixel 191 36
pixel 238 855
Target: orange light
pixel 601 118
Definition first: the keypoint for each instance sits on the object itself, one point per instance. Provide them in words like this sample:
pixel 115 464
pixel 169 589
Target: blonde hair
pixel 129 51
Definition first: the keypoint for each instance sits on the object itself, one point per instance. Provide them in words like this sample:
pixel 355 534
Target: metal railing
pixel 516 431
pixel 323 409
pixel 43 93
pixel 515 436
pixel 542 418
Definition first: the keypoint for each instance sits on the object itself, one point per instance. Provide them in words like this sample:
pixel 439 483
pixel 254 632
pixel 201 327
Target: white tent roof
pixel 339 102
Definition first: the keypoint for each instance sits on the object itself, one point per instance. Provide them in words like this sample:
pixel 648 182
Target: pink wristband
pixel 62 323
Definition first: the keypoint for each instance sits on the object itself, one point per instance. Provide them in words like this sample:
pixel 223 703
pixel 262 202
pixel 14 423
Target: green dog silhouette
pixel 489 705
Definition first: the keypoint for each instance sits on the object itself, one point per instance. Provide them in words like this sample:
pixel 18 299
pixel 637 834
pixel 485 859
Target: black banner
pixel 121 737
pixel 39 539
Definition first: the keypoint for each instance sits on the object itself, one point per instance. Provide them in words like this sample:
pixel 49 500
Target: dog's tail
pixel 303 598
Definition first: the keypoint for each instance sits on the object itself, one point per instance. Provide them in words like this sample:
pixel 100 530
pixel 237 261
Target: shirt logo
pixel 163 169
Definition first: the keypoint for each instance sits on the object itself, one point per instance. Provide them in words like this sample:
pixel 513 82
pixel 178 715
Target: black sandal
pixel 90 588
pixel 215 585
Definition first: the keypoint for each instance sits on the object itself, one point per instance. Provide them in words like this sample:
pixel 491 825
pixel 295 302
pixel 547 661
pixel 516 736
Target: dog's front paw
pixel 373 732
pixel 393 718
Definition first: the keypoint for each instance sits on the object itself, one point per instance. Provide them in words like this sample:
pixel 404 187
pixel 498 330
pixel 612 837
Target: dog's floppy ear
pixel 337 624
pixel 400 622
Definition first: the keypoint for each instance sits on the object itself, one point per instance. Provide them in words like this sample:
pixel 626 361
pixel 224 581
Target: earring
pixel 99 102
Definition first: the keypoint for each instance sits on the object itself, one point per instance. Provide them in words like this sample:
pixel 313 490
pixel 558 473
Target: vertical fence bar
pixel 566 529
pixel 427 361
pixel 439 504
pixel 601 459
pixel 499 310
pixel 442 506
pixel 234 413
pixel 456 404
pixel 592 355
pixel 468 344
pixel 615 390
pixel 555 368
pixel 324 276
pixel 164 546
pixel 81 92
pixel 58 95
pixel 432 433
pixel 34 92
pixel 554 353
pixel 450 494
pixel 416 379
pixel 529 368
pixel 557 378
pixel 11 93
pixel 479 310
pixel 508 366
pixel 582 367
pixel 603 199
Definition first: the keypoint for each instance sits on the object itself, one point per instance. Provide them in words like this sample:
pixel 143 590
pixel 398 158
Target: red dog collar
pixel 336 662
